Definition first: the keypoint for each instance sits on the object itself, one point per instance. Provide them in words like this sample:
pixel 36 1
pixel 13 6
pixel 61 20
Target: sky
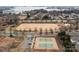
pixel 39 3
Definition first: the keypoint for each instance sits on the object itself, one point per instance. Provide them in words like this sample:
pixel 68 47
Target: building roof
pixel 38 26
pixel 22 17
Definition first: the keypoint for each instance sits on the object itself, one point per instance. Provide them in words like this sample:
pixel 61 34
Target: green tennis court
pixel 45 43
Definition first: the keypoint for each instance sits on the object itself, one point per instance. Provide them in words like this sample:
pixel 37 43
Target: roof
pixel 22 17
pixel 38 26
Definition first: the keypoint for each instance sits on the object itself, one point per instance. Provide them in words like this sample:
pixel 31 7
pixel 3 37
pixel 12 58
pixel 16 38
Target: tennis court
pixel 45 43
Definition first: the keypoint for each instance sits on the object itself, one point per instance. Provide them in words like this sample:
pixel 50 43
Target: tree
pixel 46 31
pixel 11 32
pixel 30 30
pixel 46 17
pixel 35 30
pixel 51 31
pixel 28 15
pixel 65 38
pixel 40 30
pixel 62 33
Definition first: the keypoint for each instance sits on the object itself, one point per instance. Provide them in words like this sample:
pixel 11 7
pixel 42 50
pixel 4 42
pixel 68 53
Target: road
pixel 27 42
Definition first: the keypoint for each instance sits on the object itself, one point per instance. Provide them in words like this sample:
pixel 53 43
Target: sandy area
pixel 6 41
